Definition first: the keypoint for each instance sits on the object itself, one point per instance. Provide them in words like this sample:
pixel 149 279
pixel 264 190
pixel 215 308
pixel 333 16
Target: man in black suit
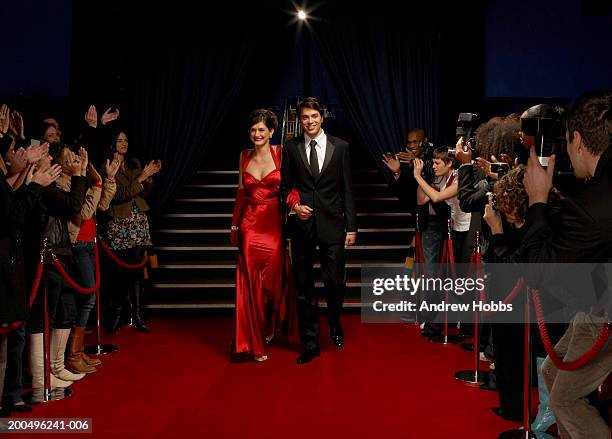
pixel 318 167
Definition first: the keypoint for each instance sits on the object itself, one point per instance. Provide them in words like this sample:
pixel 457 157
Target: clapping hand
pixel 84 160
pixel 91 116
pixel 391 161
pixel 111 168
pixel 4 119
pixel 18 160
pixel 43 176
pixel 35 152
pixel 108 116
pixel 152 168
pixel 16 130
pixel 406 156
pixel 72 162
pixel 93 174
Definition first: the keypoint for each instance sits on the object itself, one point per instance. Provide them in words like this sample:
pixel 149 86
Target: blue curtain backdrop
pixel 387 79
pixel 178 105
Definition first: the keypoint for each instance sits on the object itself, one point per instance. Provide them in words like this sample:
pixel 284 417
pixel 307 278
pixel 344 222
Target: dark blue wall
pixel 35 47
pixel 545 48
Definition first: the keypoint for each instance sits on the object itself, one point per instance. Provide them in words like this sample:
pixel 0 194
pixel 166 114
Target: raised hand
pixel 91 116
pixel 463 154
pixel 485 165
pixel 72 163
pixel 392 163
pixel 405 156
pixel 18 160
pixel 16 129
pixel 418 167
pixel 84 159
pixel 492 217
pixel 93 174
pixel 44 177
pixel 4 119
pixel 108 116
pixel 537 180
pixel 35 152
pixel 111 168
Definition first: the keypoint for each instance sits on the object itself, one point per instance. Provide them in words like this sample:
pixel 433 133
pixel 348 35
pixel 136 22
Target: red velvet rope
pixel 451 257
pixel 12 326
pixel 60 268
pixel 36 283
pixel 559 363
pixel 419 252
pixel 119 261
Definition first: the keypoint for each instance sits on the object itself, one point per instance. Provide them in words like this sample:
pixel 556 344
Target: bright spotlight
pixel 301 15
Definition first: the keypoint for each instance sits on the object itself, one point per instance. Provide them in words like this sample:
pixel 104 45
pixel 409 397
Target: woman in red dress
pixel 265 301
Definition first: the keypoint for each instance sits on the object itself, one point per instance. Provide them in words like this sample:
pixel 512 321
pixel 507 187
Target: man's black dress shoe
pixel 308 356
pixel 337 335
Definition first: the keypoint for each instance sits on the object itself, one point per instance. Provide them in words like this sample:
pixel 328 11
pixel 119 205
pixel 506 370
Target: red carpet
pixel 177 382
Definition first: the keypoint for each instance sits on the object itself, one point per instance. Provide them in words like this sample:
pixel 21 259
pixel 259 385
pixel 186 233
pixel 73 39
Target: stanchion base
pixel 449 339
pixel 54 395
pixel 101 349
pixel 517 434
pixel 469 377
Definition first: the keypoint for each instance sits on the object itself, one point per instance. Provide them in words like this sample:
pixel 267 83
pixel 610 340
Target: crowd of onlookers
pixel 501 185
pixel 59 197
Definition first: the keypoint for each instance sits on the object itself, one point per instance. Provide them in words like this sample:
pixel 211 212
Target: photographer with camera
pixel 585 235
pixel 509 201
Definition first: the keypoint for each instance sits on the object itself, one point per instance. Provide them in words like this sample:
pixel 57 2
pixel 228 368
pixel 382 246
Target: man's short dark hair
pixel 311 103
pixel 264 115
pixel 591 116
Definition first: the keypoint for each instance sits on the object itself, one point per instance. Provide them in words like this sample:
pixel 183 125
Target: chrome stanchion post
pixel 447 339
pixel 417 232
pixel 99 348
pixel 475 376
pixel 49 394
pixel 525 431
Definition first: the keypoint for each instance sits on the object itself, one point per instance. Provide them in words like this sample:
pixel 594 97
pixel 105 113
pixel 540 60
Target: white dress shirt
pixel 321 147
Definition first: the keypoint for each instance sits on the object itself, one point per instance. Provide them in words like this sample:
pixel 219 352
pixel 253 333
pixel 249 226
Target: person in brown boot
pixel 75 361
pixel 82 229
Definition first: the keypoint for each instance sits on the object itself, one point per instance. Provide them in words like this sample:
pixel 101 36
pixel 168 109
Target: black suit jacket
pixel 585 233
pixel 330 195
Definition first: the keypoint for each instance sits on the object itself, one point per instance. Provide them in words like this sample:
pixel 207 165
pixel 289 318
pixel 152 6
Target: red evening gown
pixel 265 298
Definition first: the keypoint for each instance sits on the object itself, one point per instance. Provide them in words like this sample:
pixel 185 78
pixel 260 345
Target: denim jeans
pixel 85 263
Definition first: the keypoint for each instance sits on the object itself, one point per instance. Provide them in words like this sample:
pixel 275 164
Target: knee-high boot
pixel 75 362
pixel 59 339
pixel 37 368
pixel 135 298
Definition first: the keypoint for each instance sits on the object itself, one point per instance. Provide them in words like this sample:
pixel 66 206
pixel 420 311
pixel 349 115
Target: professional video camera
pixel 546 123
pixel 466 128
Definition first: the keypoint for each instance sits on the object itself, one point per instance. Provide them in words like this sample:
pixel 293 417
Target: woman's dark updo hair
pixel 266 116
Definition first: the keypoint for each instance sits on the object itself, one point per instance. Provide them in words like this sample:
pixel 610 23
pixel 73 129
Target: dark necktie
pixel 314 161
